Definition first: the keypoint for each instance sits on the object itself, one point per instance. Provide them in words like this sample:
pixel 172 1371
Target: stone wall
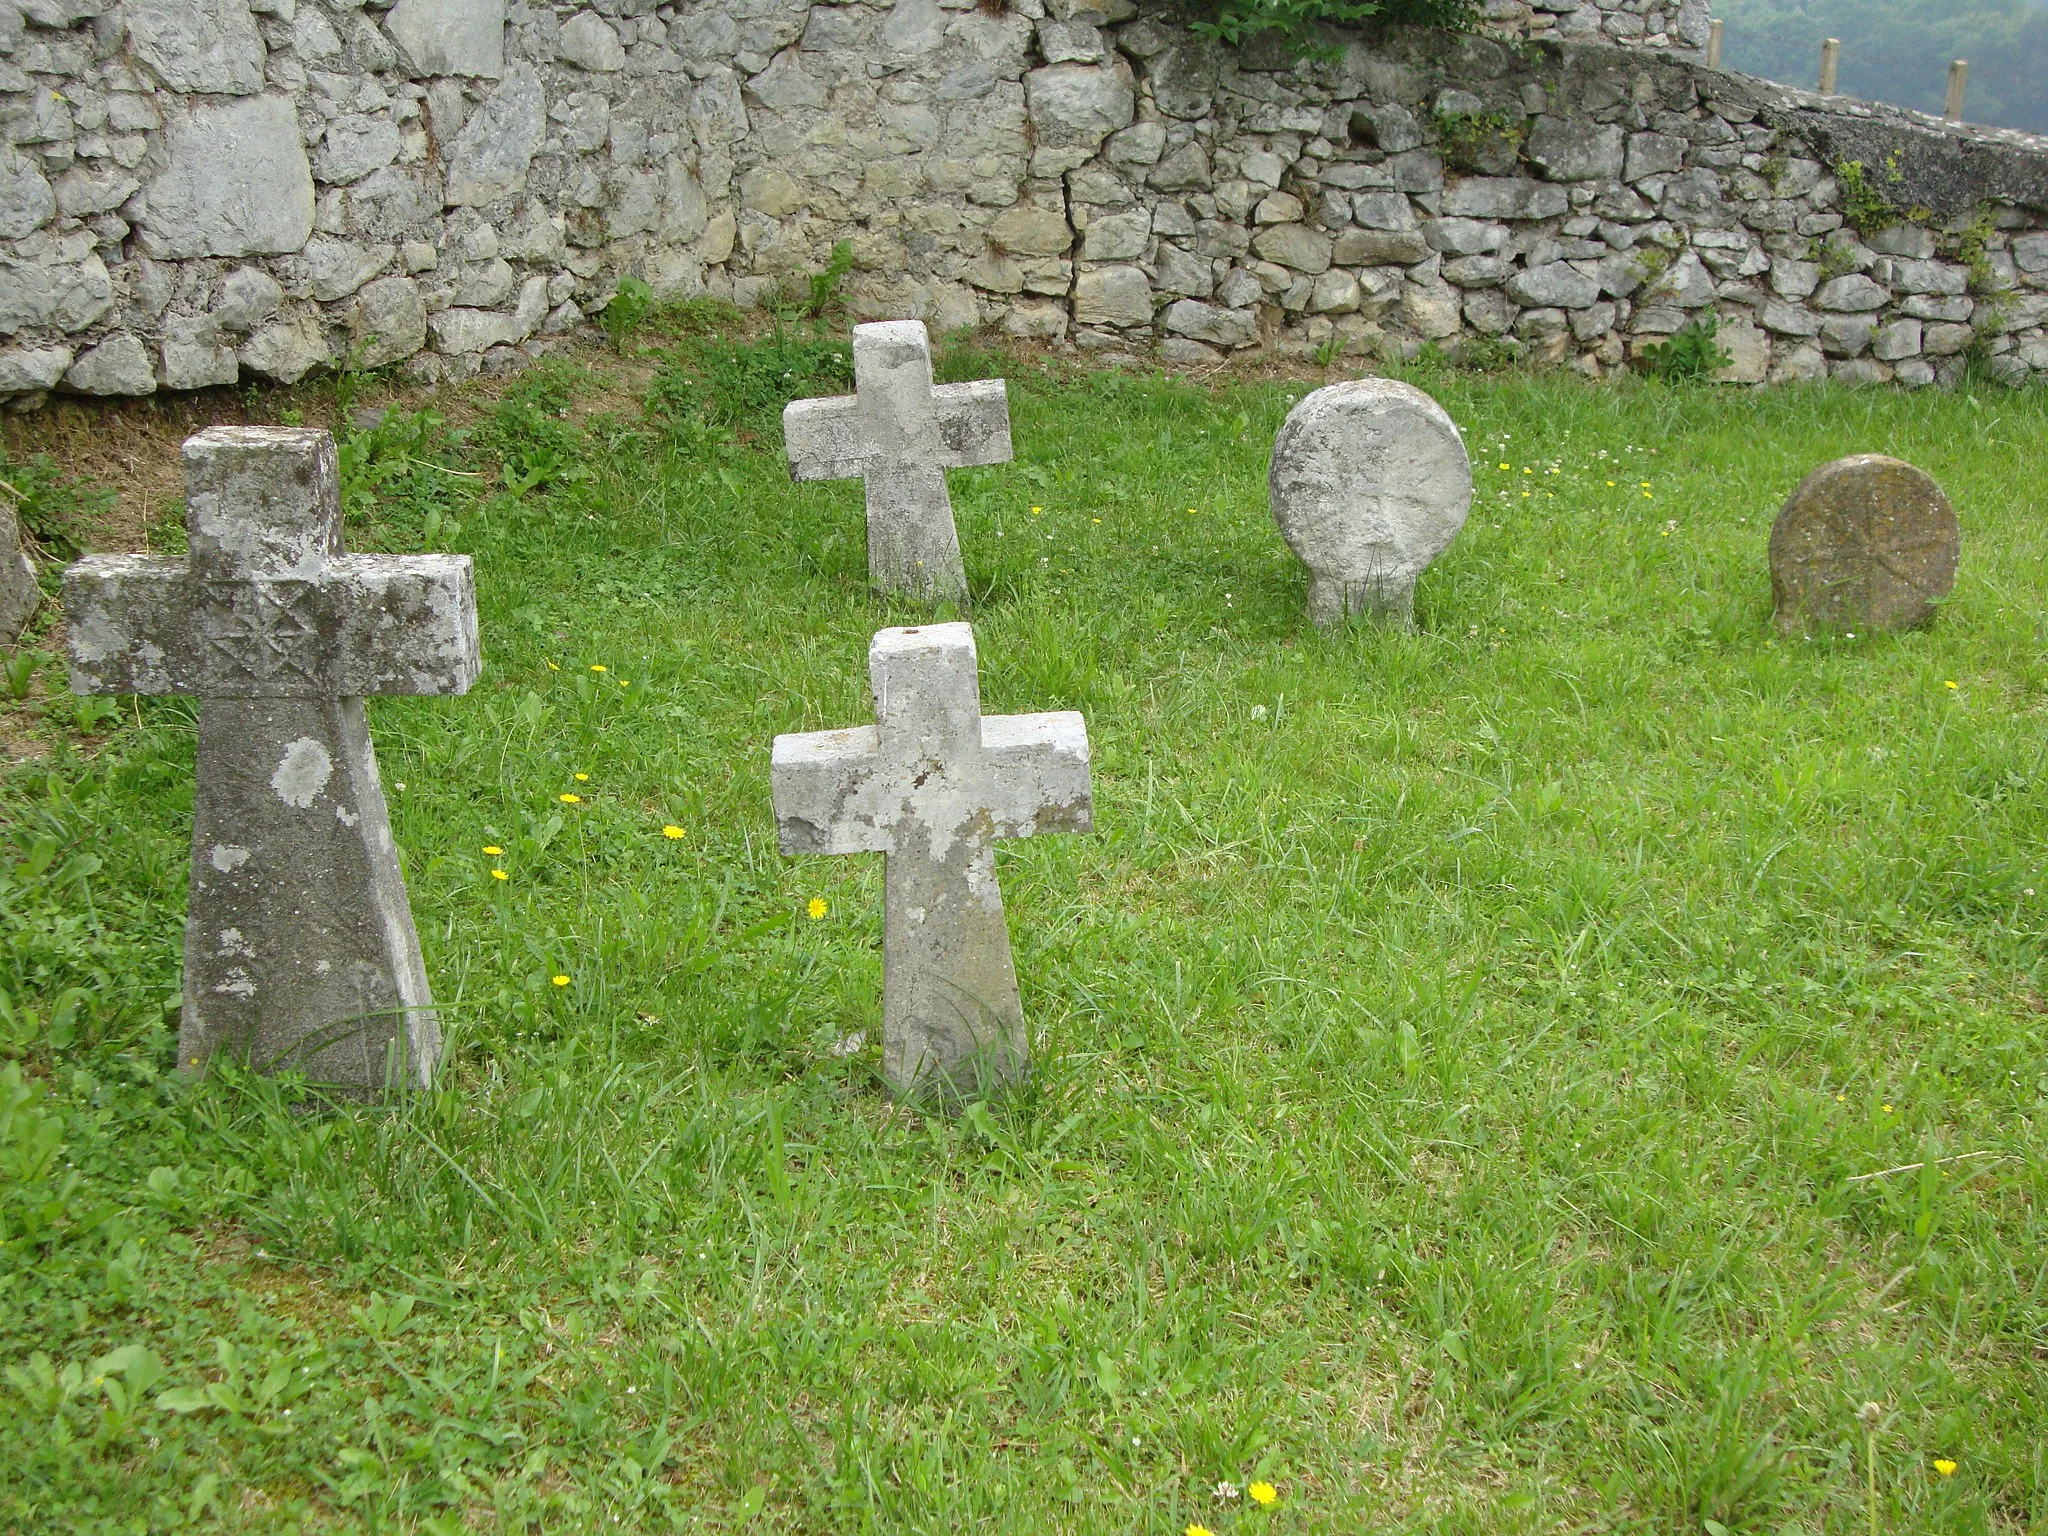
pixel 194 192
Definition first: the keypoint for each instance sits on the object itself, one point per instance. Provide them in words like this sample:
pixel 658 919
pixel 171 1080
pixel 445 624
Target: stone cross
pixel 1865 543
pixel 900 434
pixel 1369 484
pixel 930 786
pixel 300 952
pixel 19 594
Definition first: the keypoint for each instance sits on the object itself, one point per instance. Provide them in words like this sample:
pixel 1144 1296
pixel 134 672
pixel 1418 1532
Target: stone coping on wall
pixel 197 192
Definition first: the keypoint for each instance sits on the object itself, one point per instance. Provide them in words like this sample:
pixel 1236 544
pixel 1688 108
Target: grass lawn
pixel 1547 1072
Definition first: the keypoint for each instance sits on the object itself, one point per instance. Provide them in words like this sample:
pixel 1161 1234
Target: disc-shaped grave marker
pixel 1370 482
pixel 1865 543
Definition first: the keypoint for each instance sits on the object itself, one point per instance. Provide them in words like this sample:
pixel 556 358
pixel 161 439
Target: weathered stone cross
pixel 300 951
pixel 19 595
pixel 900 434
pixel 931 786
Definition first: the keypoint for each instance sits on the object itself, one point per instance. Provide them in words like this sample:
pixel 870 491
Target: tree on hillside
pixel 1899 50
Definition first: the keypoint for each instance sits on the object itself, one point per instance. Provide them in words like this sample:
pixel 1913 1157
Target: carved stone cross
pixel 931 786
pixel 300 952
pixel 900 434
pixel 19 595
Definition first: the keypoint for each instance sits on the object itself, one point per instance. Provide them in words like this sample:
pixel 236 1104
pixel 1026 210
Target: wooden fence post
pixel 1830 65
pixel 1714 44
pixel 1958 82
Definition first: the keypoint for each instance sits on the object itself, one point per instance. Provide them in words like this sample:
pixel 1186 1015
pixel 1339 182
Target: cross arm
pixel 974 423
pixel 824 439
pixel 1041 782
pixel 367 625
pixel 817 778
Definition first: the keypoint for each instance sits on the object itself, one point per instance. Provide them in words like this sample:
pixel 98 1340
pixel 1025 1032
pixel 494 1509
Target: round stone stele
pixel 1370 482
pixel 1866 542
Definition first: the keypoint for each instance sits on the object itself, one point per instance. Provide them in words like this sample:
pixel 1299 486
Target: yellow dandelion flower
pixel 1037 509
pixel 598 666
pixel 1504 466
pixel 818 907
pixel 671 831
pixel 493 849
pixel 570 799
pixel 1094 519
pixel 1263 1493
pixel 582 778
pixel 1944 1466
pixel 1644 484
pixel 499 874
pixel 623 683
pixel 1948 685
pixel 560 981
pixel 1527 470
pixel 553 668
pixel 1200 1530
pixel 1611 484
pixel 1887 1108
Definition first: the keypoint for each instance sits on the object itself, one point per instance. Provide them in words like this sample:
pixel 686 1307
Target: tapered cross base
pixel 297 909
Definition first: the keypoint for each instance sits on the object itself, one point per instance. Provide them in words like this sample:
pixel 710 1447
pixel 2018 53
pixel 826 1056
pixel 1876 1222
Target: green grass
pixel 1471 1064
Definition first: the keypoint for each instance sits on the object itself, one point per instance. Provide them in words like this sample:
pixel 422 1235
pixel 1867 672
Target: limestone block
pixel 450 37
pixel 1078 105
pixel 19 594
pixel 285 351
pixel 1847 335
pixel 1383 210
pixel 63 296
pixel 1294 245
pixel 1566 150
pixel 1749 346
pixel 1117 236
pixel 588 41
pixel 1211 323
pixel 1555 285
pixel 1278 208
pixel 333 269
pixel 1686 284
pixel 235 181
pixel 770 190
pixel 1139 144
pixel 25 370
pixel 1505 197
pixel 1119 296
pixel 460 332
pixel 353 146
pixel 1036 321
pixel 1477 272
pixel 1489 312
pixel 117 366
pixel 498 142
pixel 1909 240
pixel 1801 365
pixel 1865 543
pixel 1905 275
pixel 1654 154
pixel 1432 309
pixel 1897 341
pixel 1178 272
pixel 1793 279
pixel 1851 293
pixel 193 355
pixel 248 296
pixel 26 199
pixel 1028 230
pixel 1928 306
pixel 1463 237
pixel 1186 77
pixel 1369 484
pixel 81 193
pixel 1790 319
pixel 1379 248
pixel 198 45
pixel 1336 292
pixel 1946 340
pixel 2030 253
pixel 1185 169
pixel 786 86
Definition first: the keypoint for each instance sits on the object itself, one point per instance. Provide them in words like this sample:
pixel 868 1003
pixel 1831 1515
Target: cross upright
pixel 900 433
pixel 300 951
pixel 931 786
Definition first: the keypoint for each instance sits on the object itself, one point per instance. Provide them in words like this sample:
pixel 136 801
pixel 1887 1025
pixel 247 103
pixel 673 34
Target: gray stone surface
pixel 235 181
pixel 19 594
pixel 119 365
pixel 1865 543
pixel 26 199
pixel 61 296
pixel 1505 197
pixel 498 141
pixel 1566 150
pixel 450 37
pixel 286 350
pixel 899 433
pixel 931 786
pixel 198 45
pixel 194 356
pixel 588 42
pixel 300 953
pixel 1370 483
pixel 25 370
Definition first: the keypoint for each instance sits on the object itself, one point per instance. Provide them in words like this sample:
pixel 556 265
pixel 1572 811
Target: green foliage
pixel 1237 21
pixel 1864 203
pixel 1479 141
pixel 1899 50
pixel 821 289
pixel 57 509
pixel 626 311
pixel 1691 356
pixel 742 385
